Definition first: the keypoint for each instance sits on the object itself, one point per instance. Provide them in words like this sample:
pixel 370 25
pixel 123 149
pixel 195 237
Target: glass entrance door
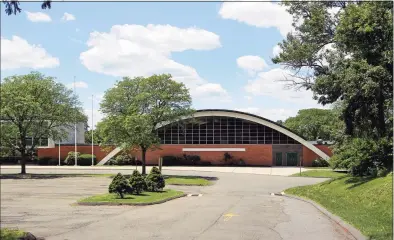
pixel 292 159
pixel 278 159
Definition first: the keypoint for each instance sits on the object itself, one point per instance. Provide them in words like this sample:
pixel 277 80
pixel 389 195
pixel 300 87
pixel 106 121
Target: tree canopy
pixel 343 51
pixel 12 7
pixel 314 123
pixel 36 106
pixel 134 107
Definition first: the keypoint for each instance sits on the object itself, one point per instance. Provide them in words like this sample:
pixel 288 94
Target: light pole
pixel 92 132
pixel 75 128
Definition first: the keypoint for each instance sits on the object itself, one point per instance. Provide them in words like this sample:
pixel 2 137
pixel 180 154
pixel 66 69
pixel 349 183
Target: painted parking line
pixel 229 216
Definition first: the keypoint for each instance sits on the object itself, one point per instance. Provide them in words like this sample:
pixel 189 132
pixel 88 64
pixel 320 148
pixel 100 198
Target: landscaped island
pixel 135 190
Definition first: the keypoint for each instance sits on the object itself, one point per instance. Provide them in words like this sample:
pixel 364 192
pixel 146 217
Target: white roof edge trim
pixel 305 143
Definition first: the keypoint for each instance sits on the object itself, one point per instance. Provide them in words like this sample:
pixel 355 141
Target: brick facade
pixel 255 154
pixel 100 152
pixel 309 156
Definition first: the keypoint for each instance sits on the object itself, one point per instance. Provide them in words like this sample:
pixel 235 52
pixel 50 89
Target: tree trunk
pixel 23 162
pixel 143 153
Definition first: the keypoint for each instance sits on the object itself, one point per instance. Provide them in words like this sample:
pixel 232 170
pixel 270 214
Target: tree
pixel 155 181
pixel 280 122
pixel 137 182
pixel 97 138
pixel 349 58
pixel 12 7
pixel 35 106
pixel 120 185
pixel 135 107
pixel 314 123
pixel 343 51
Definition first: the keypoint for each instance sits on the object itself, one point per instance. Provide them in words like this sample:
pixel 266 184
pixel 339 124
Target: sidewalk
pixel 279 171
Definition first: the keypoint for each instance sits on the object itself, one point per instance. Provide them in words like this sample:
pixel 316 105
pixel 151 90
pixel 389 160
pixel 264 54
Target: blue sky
pixel 221 51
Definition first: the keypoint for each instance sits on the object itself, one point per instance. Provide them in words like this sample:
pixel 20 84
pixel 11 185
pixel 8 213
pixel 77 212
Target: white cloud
pixel 273 114
pixel 38 17
pixel 18 53
pixel 269 84
pixel 276 50
pixel 259 14
pixel 251 64
pixel 136 50
pixel 211 91
pixel 68 17
pixel 79 84
pixel 249 98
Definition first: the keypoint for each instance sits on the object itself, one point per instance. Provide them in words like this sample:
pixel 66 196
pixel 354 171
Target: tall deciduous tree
pixel 135 107
pixel 36 106
pixel 314 123
pixel 343 51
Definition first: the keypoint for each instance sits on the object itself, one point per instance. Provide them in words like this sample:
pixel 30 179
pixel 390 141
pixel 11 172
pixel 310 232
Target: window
pixel 220 130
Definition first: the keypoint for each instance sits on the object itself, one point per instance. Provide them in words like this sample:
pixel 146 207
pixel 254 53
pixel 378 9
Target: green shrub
pixel 320 162
pixel 120 185
pixel 70 159
pixel 191 159
pixel 154 180
pixel 125 159
pixel 44 161
pixel 83 159
pixel 137 182
pixel 364 157
pixel 53 162
pixel 86 160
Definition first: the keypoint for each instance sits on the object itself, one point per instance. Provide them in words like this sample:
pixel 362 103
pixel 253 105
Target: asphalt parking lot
pixel 237 206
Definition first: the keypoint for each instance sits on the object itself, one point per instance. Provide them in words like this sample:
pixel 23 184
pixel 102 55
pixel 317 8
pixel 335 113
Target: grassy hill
pixel 363 202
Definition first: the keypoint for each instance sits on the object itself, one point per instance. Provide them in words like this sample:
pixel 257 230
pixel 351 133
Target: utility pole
pixel 75 128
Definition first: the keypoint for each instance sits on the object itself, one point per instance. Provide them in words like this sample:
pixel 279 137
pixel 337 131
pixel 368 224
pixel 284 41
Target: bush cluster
pixel 45 161
pixel 155 181
pixel 136 184
pixel 122 159
pixel 320 162
pixel 364 157
pixel 120 185
pixel 185 160
pixel 83 159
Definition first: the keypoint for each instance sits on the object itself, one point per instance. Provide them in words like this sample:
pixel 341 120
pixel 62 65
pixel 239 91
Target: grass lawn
pixel 143 198
pixel 320 173
pixel 187 180
pixel 11 234
pixel 364 203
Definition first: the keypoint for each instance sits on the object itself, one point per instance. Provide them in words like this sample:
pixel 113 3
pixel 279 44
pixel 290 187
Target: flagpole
pixel 75 128
pixel 59 153
pixel 92 132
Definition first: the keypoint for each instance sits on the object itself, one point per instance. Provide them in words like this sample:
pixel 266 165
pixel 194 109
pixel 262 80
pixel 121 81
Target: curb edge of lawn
pixel 128 204
pixel 347 227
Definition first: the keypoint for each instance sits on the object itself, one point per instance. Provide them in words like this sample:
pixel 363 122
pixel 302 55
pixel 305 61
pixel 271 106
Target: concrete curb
pixel 347 227
pixel 128 204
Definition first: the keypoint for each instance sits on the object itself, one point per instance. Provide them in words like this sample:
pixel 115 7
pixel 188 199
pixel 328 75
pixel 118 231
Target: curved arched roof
pixel 259 120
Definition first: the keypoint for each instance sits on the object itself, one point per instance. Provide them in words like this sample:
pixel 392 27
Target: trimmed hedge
pixel 83 159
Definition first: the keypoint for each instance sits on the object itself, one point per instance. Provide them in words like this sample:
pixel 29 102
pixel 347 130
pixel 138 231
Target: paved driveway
pixel 238 206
